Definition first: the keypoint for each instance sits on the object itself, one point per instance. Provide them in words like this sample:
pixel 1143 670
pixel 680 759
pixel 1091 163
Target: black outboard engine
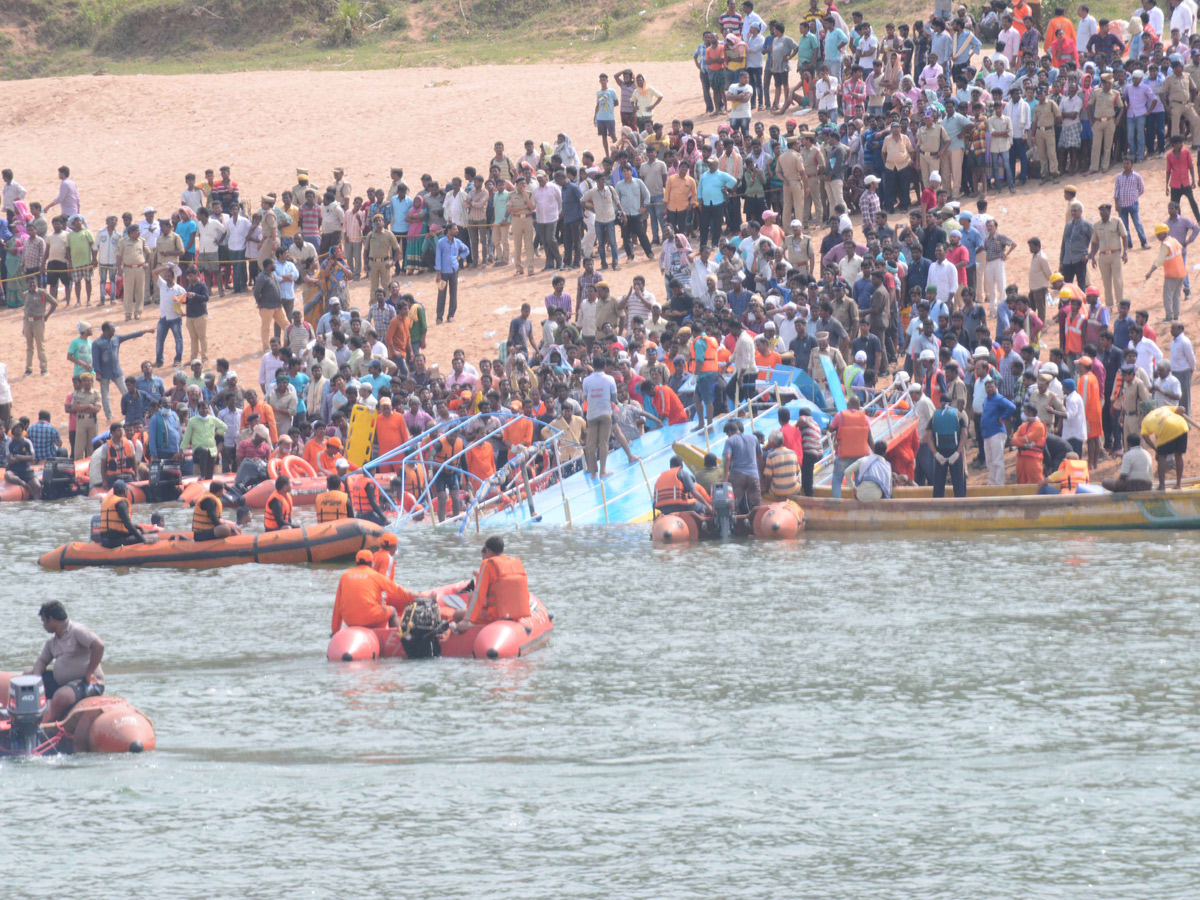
pixel 58 479
pixel 249 473
pixel 421 628
pixel 164 483
pixel 722 507
pixel 26 706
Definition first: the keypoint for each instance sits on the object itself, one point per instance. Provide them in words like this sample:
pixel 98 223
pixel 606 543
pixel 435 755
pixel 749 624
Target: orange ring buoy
pixel 295 467
pixel 272 469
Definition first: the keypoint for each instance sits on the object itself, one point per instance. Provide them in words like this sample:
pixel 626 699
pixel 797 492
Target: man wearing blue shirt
pixel 450 254
pixel 713 189
pixel 106 361
pixel 149 383
pixel 605 115
pixel 163 431
pixel 973 241
pixel 996 408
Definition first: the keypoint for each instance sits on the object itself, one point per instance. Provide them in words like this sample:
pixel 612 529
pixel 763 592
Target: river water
pixel 839 718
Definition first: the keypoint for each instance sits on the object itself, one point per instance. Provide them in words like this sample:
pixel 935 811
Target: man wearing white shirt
pixel 1150 7
pixel 1148 353
pixel 1183 364
pixel 749 19
pixel 703 265
pixel 209 234
pixel 1000 77
pixel 1181 18
pixel 599 394
pixel 12 191
pixel 149 230
pixel 108 241
pixel 192 197
pixel 1018 112
pixel 827 93
pixel 171 296
pixel 333 221
pixel 1084 30
pixel 237 229
pixel 943 275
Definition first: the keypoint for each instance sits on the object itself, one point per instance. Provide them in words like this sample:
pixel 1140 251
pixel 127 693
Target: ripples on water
pixel 1007 717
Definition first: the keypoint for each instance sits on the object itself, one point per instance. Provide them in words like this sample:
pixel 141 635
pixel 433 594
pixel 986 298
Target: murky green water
pixel 837 719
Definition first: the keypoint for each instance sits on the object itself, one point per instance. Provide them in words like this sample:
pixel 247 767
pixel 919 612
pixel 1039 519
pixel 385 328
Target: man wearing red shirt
pixel 1181 176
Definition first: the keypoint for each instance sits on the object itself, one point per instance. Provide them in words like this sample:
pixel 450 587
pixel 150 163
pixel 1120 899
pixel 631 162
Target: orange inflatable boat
pixel 93 725
pixel 176 550
pixel 496 640
pixel 771 522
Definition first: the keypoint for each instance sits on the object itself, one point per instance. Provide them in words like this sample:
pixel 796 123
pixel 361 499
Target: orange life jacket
pixel 670 494
pixel 1074 472
pixel 109 519
pixel 931 381
pixel 269 520
pixel 481 462
pixel 854 434
pixel 201 520
pixel 503 590
pixel 709 362
pixel 331 506
pixel 358 494
pixel 119 461
pixel 1174 265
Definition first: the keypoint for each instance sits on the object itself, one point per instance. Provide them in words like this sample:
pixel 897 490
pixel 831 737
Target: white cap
pixel 1049 369
pixel 342 463
pixel 796 223
pixel 928 353
pixel 981 353
pixel 860 356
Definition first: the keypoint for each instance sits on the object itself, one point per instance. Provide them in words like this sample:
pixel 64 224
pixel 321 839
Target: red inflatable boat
pixel 496 640
pixel 93 725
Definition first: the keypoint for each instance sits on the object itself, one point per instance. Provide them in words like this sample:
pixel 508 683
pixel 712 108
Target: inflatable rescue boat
pixel 770 522
pixel 176 550
pixel 415 639
pixel 93 725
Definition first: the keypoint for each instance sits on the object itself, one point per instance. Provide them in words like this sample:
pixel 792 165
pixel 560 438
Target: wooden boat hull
pixel 1070 512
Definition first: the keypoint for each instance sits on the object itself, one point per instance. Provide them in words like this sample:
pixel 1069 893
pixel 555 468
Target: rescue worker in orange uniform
pixel 501 589
pixel 1029 442
pixel 358 601
pixel 676 490
pixel 364 498
pixel 384 561
pixel 333 503
pixel 278 512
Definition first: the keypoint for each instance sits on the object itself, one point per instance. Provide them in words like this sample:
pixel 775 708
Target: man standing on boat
pixel 996 408
pixel 945 439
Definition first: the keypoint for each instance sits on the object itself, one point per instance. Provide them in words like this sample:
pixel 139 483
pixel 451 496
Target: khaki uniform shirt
pixel 380 245
pixel 132 252
pixel 931 139
pixel 1105 106
pixel 798 250
pixel 1109 236
pixel 1046 115
pixel 896 153
pixel 790 167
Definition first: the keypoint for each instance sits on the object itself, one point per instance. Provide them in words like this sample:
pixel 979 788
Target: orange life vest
pixel 119 461
pixel 709 362
pixel 332 505
pixel 269 520
pixel 854 434
pixel 201 520
pixel 931 381
pixel 358 494
pixel 503 590
pixel 1074 472
pixel 1174 265
pixel 109 519
pixel 670 494
pixel 481 462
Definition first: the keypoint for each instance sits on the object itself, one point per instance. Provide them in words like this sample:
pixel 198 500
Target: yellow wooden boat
pixel 1068 512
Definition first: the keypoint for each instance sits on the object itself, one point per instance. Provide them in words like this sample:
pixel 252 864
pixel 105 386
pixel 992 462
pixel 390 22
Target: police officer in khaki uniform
pixel 133 264
pixel 39 306
pixel 791 170
pixel 1105 105
pixel 1180 91
pixel 813 162
pixel 932 141
pixel 381 249
pixel 1110 251
pixel 270 228
pixel 303 186
pixel 521 207
pixel 798 249
pixel 341 188
pixel 1045 117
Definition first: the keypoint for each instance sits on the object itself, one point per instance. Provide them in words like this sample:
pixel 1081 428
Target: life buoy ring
pixel 295 467
pixel 273 469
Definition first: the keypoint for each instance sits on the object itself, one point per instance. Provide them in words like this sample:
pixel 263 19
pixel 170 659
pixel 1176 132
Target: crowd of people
pixel 878 305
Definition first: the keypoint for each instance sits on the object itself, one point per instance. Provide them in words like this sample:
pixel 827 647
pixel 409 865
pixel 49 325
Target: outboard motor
pixel 164 483
pixel 58 479
pixel 421 628
pixel 249 473
pixel 26 706
pixel 722 507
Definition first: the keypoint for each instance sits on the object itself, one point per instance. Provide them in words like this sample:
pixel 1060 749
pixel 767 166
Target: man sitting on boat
pixel 676 490
pixel 500 591
pixel 116 524
pixel 1137 469
pixel 872 475
pixel 361 596
pixel 781 472
pixel 1070 475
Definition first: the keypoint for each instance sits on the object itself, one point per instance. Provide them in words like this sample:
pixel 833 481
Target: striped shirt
pixel 783 470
